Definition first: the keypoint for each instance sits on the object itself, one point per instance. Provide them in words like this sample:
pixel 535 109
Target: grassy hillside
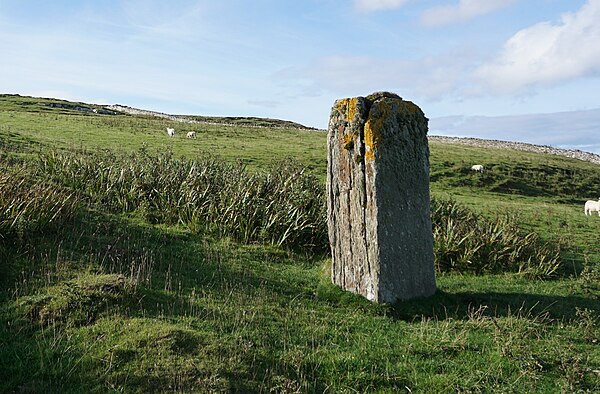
pixel 118 273
pixel 35 125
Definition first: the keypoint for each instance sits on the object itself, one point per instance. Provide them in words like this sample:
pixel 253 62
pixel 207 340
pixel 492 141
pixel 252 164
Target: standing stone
pixel 378 198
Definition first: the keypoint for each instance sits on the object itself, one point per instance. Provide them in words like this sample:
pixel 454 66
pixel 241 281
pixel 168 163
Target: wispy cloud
pixel 547 53
pixel 432 77
pixel 461 11
pixel 164 19
pixel 378 5
pixel 146 20
pixel 264 103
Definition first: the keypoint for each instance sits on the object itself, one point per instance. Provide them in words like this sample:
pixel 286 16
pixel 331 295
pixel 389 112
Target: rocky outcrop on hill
pixel 143 112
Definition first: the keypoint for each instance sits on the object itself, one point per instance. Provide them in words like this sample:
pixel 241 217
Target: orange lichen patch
pixel 371 140
pixel 340 106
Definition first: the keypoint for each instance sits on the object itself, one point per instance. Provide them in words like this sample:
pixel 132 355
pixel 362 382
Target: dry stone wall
pixel 183 119
pixel 496 144
pixel 378 198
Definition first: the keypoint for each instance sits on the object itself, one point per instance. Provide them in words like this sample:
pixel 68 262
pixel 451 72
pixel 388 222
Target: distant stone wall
pixel 184 119
pixel 378 198
pixel 497 144
pixel 80 108
pixel 136 111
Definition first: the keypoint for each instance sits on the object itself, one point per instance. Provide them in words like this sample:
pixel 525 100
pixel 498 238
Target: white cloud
pixel 462 11
pixel 378 5
pixel 431 77
pixel 546 54
pixel 162 18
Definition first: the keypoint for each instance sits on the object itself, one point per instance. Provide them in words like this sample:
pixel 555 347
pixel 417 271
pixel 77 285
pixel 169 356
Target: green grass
pixel 100 300
pixel 31 128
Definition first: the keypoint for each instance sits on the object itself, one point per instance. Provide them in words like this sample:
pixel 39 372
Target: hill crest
pixel 257 122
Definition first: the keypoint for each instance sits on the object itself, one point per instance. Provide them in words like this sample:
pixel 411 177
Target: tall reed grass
pixel 28 205
pixel 284 206
pixel 468 242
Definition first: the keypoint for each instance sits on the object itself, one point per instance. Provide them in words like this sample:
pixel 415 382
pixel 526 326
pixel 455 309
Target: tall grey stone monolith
pixel 378 198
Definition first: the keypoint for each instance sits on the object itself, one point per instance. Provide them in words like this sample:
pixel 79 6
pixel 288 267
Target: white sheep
pixel 477 168
pixel 170 132
pixel 191 134
pixel 591 206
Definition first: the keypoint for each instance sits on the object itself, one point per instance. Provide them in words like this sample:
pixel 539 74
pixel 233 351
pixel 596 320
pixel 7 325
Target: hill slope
pixel 107 291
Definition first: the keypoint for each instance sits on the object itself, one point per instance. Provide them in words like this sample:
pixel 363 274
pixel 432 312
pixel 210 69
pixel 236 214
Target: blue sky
pixel 522 70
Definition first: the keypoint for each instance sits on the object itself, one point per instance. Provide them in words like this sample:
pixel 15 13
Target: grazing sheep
pixel 170 132
pixel 191 134
pixel 477 168
pixel 591 205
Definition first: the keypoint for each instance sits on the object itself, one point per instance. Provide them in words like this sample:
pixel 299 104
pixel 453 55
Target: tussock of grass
pixel 27 205
pixel 77 301
pixel 283 206
pixel 468 242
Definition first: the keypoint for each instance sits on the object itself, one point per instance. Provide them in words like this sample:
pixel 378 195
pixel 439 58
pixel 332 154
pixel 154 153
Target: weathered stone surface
pixel 378 198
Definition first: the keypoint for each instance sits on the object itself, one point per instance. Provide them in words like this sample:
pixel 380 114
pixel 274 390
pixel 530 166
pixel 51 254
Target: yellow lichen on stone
pixel 347 107
pixel 340 106
pixel 373 127
pixel 351 109
pixel 370 141
pixel 410 107
pixel 348 141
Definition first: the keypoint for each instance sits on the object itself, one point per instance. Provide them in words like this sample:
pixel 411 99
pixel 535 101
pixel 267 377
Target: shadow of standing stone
pixel 378 198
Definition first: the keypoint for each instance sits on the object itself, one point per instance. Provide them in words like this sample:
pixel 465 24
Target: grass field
pixel 98 297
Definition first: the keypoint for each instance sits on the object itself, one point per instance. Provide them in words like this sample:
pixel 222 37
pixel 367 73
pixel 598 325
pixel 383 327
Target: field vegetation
pixel 134 262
